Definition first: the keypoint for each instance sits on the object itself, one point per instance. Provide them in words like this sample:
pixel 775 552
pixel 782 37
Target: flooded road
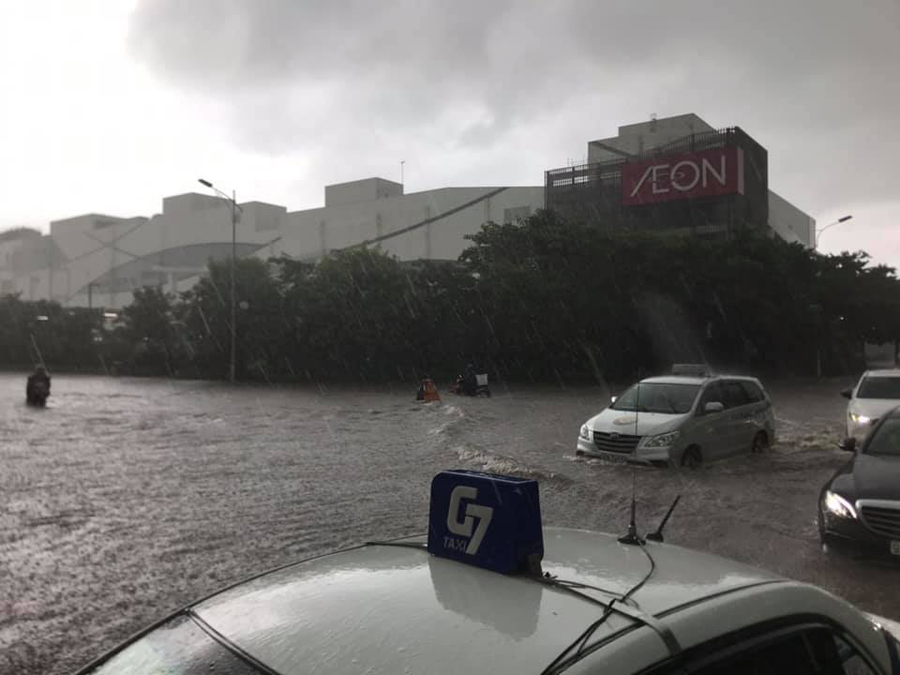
pixel 125 498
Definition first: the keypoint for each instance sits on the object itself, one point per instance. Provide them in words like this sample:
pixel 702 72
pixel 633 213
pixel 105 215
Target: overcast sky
pixel 110 105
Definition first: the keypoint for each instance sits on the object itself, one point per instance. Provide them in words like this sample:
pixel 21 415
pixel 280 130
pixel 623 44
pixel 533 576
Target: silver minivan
pixel 682 420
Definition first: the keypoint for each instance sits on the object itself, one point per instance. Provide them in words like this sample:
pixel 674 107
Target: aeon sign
pixel 708 173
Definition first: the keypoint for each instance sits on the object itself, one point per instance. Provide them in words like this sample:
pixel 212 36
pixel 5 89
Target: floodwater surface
pixel 125 499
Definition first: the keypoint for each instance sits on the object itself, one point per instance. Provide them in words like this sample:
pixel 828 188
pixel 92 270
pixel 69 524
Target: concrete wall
pixel 636 138
pixel 106 257
pixel 312 233
pixel 191 202
pixel 358 191
pixel 31 265
pixel 789 222
pixel 90 245
pixel 18 248
pixel 114 255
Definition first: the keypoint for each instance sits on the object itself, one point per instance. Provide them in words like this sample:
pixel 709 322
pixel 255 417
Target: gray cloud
pixel 813 80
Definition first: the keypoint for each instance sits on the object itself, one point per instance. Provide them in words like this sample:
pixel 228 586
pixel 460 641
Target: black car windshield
pixel 886 440
pixel 879 387
pixel 658 397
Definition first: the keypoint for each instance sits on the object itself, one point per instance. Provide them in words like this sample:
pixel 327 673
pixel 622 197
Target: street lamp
pixel 234 211
pixel 818 308
pixel 842 219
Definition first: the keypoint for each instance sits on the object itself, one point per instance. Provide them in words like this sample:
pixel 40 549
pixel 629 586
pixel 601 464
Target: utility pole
pixel 817 312
pixel 234 218
pixel 231 373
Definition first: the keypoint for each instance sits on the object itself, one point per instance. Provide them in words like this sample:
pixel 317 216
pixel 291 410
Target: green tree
pixel 43 330
pixel 542 298
pixel 206 314
pixel 555 299
pixel 148 331
pixel 351 314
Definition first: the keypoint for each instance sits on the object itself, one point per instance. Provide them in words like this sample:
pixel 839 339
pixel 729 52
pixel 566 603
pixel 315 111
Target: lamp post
pixel 234 211
pixel 818 308
pixel 842 219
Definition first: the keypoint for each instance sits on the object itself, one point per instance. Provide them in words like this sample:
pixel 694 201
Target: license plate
pixel 895 548
pixel 622 459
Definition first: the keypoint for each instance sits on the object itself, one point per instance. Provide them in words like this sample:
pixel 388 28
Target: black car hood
pixel 876 477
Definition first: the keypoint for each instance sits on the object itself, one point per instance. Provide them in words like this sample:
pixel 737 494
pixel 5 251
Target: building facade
pixel 99 260
pixel 677 175
pixel 431 224
pixel 672 175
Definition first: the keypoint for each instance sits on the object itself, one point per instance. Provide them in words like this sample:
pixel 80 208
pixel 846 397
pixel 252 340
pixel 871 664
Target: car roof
pixel 675 379
pixel 393 608
pixel 883 372
pixel 695 379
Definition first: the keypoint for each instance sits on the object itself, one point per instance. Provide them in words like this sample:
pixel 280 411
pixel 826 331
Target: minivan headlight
pixel 585 433
pixel 837 505
pixel 661 440
pixel 860 419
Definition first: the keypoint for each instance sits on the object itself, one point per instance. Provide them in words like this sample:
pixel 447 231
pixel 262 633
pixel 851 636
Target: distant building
pixel 26 256
pixel 676 175
pixel 422 225
pixel 99 260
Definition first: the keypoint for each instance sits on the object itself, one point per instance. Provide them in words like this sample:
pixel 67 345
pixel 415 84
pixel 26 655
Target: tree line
pixel 541 300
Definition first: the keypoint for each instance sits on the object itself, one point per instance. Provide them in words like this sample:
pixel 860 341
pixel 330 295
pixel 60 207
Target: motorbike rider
pixel 39 379
pixel 469 380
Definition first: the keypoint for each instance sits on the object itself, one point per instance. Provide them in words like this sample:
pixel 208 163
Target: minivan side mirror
pixel 847 393
pixel 713 407
pixel 848 444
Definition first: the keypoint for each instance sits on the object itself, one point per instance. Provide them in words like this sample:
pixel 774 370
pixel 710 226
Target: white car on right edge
pixel 877 392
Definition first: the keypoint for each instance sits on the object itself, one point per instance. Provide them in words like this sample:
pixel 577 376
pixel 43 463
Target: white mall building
pixel 98 260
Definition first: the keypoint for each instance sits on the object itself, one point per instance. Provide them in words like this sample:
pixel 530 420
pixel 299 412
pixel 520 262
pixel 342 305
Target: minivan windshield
pixel 658 397
pixel 879 387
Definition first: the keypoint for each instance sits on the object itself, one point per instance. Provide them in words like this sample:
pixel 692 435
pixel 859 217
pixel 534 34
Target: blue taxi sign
pixel 486 520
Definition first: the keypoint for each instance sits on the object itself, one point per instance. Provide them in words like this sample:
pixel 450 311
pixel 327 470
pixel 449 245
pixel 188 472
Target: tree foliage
pixel 31 332
pixel 540 299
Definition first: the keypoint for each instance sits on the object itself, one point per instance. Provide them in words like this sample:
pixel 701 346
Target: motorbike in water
pixel 476 386
pixel 37 391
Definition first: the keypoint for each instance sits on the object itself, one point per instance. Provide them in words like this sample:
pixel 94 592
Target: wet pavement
pixel 127 498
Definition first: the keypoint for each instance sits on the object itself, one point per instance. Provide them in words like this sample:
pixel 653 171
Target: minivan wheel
pixel 692 458
pixel 760 443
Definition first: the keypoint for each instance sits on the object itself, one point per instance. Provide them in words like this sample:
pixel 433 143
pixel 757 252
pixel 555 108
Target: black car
pixel 860 505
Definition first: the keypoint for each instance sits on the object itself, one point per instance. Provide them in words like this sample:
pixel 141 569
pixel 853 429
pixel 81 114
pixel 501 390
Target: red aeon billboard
pixel 708 173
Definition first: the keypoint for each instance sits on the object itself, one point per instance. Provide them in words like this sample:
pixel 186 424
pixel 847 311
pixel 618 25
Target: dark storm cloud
pixel 814 80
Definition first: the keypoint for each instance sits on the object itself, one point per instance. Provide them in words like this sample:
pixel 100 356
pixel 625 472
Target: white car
pixel 489 590
pixel 877 392
pixel 682 419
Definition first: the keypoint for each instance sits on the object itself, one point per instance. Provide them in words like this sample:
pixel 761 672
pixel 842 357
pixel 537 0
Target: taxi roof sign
pixel 486 520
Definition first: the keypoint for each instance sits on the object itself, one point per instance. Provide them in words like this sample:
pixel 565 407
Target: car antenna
pixel 658 534
pixel 637 405
pixel 631 537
